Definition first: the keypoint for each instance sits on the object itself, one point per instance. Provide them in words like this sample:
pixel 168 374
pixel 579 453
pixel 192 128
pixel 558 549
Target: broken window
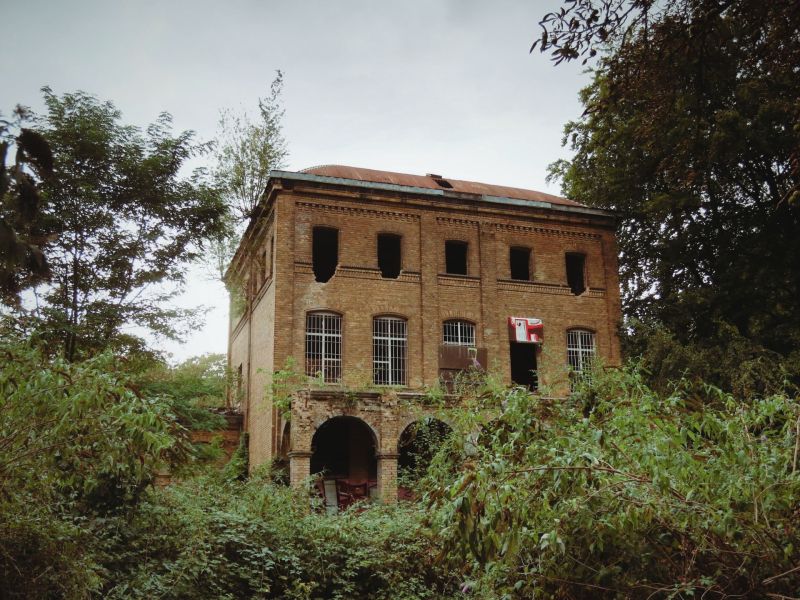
pixel 325 252
pixel 389 255
pixel 324 346
pixel 581 349
pixel 576 266
pixel 520 260
pixel 455 257
pixel 459 333
pixel 389 340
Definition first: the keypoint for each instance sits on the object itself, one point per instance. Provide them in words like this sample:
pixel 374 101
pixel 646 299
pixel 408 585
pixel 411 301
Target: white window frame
pixel 458 332
pixel 389 350
pixel 581 351
pixel 324 345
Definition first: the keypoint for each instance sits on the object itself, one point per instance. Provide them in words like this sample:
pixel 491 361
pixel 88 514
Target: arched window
pixel 458 333
pixel 324 346
pixel 581 349
pixel 389 341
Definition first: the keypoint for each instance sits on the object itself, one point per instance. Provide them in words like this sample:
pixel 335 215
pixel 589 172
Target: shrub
pixel 622 492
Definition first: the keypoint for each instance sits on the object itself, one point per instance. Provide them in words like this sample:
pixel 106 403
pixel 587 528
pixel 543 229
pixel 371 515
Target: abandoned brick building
pixel 378 284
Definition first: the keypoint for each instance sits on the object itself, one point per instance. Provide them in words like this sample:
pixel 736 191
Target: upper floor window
pixel 576 272
pixel 324 252
pixel 520 262
pixel 581 349
pixel 324 346
pixel 389 255
pixel 459 333
pixel 389 342
pixel 455 257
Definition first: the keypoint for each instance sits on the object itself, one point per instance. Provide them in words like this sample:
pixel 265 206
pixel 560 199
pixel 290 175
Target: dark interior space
pixel 389 257
pixel 575 273
pixel 455 256
pixel 523 365
pixel 417 446
pixel 325 252
pixel 520 259
pixel 343 447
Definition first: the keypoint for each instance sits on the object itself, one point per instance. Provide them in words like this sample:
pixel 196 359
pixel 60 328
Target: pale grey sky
pixel 436 86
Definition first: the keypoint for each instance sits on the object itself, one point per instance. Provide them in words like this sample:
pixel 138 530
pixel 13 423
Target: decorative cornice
pixel 545 231
pixel 454 222
pixel 358 210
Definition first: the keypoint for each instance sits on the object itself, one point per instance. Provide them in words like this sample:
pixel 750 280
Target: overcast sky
pixel 443 87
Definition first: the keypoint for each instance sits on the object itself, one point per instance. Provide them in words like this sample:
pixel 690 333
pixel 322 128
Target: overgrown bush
pixel 621 492
pixel 77 447
pixel 216 538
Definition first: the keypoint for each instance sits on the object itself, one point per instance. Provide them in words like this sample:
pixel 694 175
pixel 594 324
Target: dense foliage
pixel 692 134
pixel 197 389
pixel 622 492
pixel 214 539
pixel 78 446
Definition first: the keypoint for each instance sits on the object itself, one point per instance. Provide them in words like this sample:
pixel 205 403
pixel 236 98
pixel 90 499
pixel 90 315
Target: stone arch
pixel 345 447
pixel 418 442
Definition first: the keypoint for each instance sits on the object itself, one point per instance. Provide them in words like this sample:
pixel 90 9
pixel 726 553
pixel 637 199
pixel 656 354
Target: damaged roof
pixel 436 182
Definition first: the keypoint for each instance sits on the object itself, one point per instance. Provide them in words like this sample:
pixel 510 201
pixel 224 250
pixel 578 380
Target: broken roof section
pixel 437 182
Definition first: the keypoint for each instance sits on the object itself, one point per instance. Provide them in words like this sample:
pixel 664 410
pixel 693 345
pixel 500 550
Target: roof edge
pixel 392 187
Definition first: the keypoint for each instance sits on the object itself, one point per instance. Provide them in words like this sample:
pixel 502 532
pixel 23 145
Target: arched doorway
pixel 344 454
pixel 417 445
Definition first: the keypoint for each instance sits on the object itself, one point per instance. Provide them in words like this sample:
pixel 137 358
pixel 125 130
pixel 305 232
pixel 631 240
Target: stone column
pixel 387 477
pixel 299 467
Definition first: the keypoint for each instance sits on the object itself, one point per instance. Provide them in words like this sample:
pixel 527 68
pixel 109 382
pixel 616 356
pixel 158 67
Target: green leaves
pixel 122 223
pixel 646 493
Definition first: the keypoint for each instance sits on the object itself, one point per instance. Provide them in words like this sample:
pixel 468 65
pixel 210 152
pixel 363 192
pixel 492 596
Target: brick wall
pixel 274 329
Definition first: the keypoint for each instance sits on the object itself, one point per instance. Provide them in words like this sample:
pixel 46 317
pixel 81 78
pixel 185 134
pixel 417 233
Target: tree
pixel 692 134
pixel 246 153
pixel 128 223
pixel 22 230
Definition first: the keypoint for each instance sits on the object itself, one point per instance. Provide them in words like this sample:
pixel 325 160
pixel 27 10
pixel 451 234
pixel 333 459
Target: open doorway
pixel 523 365
pixel 344 458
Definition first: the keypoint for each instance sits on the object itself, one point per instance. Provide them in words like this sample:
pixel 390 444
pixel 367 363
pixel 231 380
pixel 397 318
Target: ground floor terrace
pixel 359 445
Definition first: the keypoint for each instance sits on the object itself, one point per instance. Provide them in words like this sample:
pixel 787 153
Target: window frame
pixel 328 357
pixel 459 336
pixel 580 355
pixel 390 350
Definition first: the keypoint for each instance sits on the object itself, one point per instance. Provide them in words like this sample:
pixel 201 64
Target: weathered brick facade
pixel 276 262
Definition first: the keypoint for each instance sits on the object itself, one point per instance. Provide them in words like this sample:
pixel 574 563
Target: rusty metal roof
pixel 430 182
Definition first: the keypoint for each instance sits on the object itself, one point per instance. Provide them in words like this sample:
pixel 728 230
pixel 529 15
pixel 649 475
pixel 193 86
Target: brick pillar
pixel 387 477
pixel 299 467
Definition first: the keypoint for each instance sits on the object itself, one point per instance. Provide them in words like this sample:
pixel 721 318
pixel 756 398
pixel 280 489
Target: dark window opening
pixel 523 365
pixel 576 265
pixel 520 259
pixel 389 254
pixel 325 252
pixel 443 183
pixel 455 257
